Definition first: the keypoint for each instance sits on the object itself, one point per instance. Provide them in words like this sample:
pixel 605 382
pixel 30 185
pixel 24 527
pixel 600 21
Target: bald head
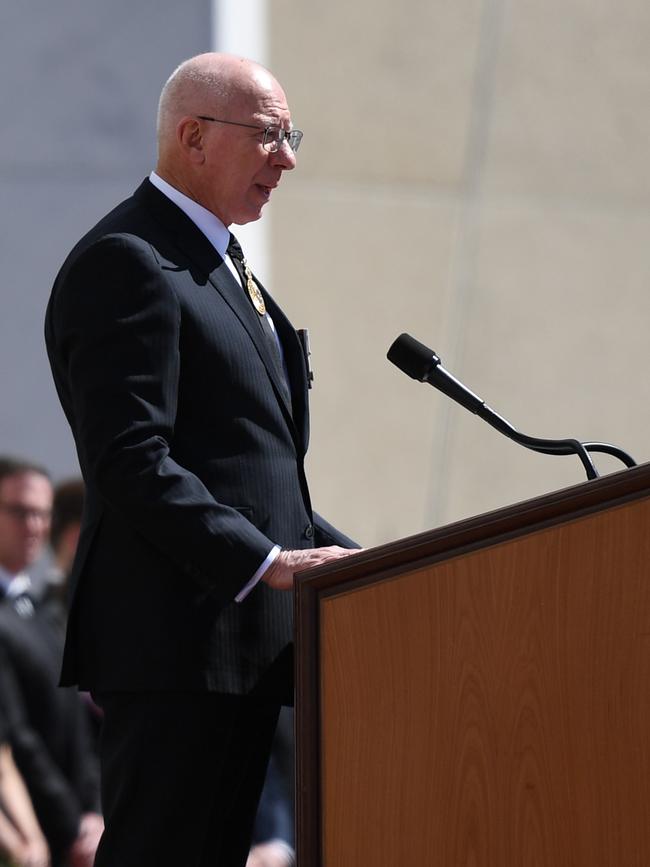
pixel 211 83
pixel 212 117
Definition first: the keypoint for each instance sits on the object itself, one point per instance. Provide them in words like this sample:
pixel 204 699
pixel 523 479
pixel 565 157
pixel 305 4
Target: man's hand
pixel 82 851
pixel 280 573
pixel 273 854
pixel 34 854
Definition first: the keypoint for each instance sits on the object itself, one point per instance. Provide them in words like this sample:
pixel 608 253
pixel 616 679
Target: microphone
pixel 419 362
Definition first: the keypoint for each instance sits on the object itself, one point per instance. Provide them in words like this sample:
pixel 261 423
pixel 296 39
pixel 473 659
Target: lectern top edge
pixel 461 536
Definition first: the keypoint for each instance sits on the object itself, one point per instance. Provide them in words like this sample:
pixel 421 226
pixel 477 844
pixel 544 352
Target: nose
pixel 284 157
pixel 36 522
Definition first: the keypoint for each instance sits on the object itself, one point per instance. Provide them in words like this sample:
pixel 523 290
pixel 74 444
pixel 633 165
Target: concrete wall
pixel 79 86
pixel 475 174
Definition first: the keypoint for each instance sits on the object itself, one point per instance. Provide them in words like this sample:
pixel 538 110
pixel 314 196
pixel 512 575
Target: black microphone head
pixel 412 357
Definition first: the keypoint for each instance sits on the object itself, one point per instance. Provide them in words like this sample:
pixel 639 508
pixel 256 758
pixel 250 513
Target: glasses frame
pixel 25 513
pixel 293 137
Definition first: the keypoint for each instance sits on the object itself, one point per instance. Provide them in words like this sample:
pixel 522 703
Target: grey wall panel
pixel 79 83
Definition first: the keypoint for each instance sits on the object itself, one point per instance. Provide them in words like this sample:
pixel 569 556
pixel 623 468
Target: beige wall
pixel 475 174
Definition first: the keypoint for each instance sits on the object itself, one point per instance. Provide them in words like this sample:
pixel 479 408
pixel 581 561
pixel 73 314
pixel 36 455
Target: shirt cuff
pixel 246 589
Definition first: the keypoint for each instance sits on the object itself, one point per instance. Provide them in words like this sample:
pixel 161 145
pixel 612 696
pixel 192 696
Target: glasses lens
pixel 295 137
pixel 274 136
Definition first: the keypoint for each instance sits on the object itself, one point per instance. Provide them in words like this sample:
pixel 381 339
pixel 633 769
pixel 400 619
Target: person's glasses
pixel 24 513
pixel 273 135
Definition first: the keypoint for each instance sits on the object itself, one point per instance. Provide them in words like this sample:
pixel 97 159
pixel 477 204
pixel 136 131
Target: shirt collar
pixel 13 585
pixel 211 226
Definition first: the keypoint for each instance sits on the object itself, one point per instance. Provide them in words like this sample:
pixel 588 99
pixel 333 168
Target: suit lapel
pixel 295 364
pixel 193 243
pixel 232 292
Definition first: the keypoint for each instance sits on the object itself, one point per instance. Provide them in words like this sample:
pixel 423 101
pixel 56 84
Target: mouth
pixel 266 190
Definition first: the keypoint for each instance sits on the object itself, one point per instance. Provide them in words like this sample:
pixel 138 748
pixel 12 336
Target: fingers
pixel 280 574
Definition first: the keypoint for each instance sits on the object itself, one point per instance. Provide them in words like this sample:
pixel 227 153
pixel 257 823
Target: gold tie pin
pixel 254 290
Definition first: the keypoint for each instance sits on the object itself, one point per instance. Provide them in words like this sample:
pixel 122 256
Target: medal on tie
pixel 254 290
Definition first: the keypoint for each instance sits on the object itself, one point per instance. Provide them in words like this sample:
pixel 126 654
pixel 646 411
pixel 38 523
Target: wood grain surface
pixel 493 710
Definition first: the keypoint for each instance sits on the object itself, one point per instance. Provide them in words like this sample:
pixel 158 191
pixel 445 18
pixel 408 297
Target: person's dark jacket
pixel 48 729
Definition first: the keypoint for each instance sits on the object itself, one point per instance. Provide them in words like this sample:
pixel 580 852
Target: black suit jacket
pixel 192 457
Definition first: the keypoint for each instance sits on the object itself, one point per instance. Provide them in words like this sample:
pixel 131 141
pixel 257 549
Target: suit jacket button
pixel 309 531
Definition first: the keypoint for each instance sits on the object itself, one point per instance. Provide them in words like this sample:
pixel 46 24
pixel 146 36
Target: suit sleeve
pixel 113 330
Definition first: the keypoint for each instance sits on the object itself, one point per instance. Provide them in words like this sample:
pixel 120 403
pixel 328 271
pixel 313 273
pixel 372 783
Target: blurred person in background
pixel 22 842
pixel 65 526
pixel 63 781
pixel 67 513
pixel 25 510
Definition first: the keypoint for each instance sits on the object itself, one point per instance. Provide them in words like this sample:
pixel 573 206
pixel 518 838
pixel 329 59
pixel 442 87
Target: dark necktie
pixel 257 302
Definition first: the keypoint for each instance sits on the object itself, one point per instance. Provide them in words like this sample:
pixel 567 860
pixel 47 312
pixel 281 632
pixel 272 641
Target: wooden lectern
pixel 480 694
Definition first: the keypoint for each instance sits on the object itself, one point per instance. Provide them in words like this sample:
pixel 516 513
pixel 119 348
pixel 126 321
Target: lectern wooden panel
pixel 481 695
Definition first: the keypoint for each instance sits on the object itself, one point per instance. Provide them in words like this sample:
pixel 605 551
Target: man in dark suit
pixel 186 390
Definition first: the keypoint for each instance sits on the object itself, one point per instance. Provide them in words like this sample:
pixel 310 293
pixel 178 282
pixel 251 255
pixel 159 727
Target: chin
pixel 248 218
pixel 251 211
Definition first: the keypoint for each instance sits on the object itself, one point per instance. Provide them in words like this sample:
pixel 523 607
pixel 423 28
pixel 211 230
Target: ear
pixel 190 139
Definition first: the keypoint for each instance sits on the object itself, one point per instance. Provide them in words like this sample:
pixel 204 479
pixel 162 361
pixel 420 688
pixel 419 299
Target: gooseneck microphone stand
pixel 421 363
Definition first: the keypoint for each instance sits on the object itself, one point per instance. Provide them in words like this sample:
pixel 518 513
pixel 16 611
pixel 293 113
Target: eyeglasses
pixel 273 135
pixel 24 513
